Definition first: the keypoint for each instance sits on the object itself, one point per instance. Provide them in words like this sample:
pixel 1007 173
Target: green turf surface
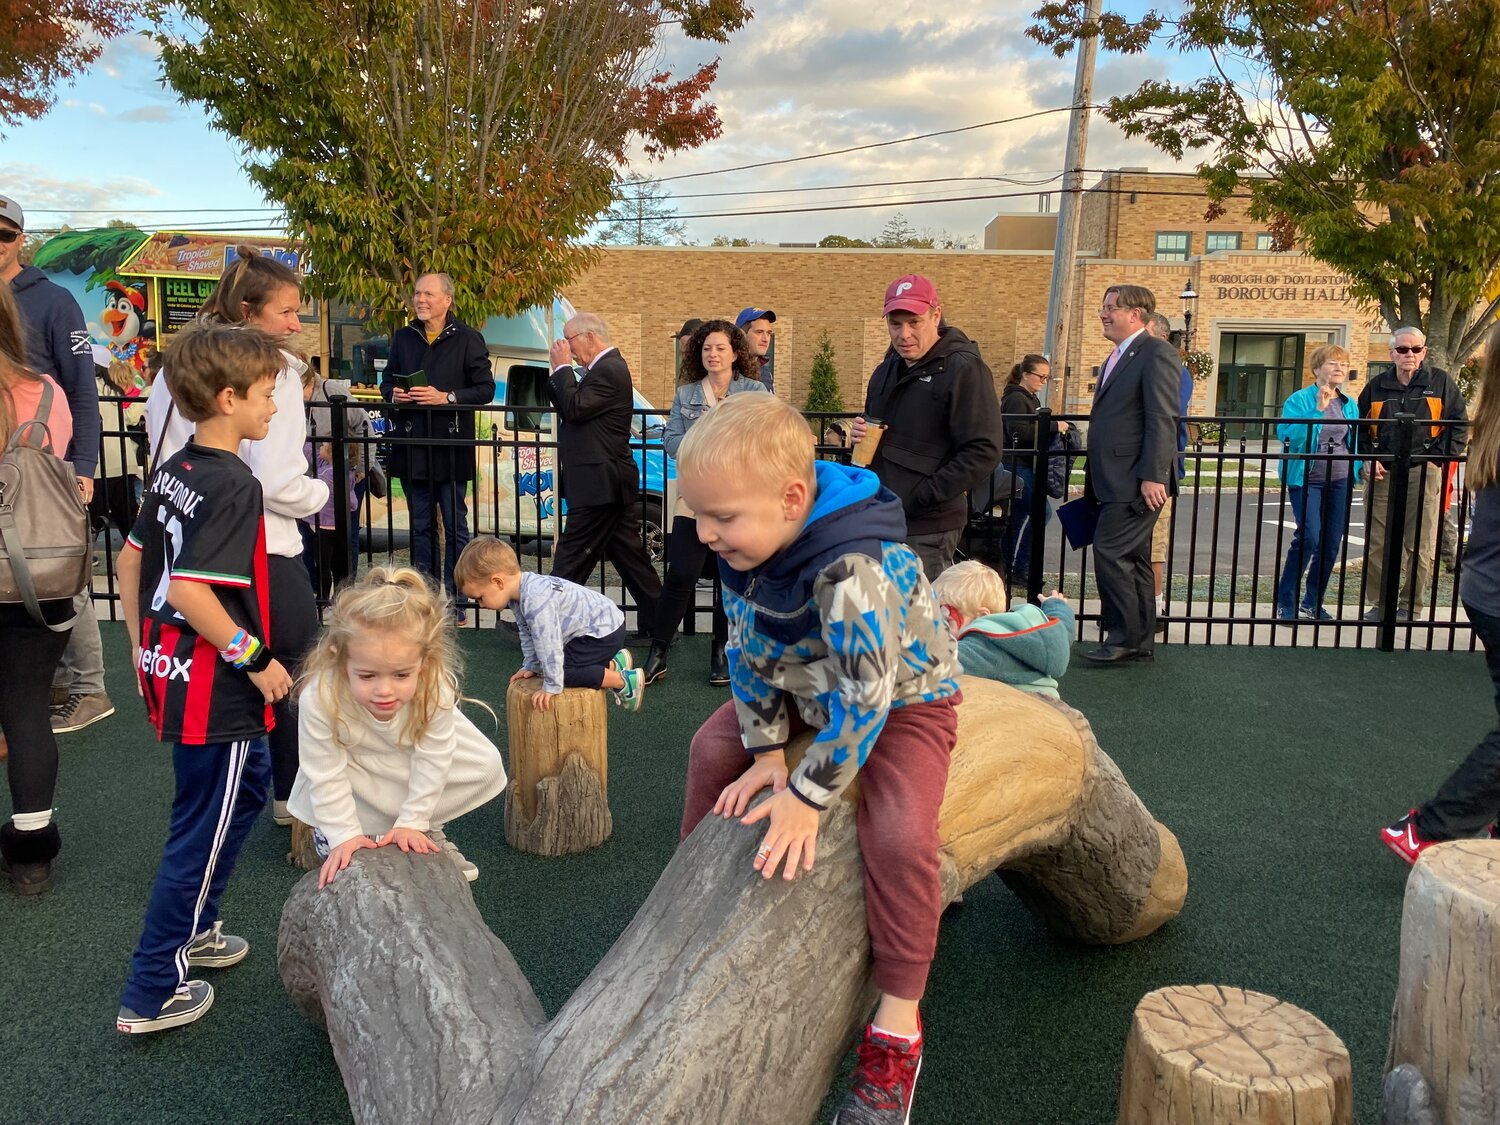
pixel 1275 769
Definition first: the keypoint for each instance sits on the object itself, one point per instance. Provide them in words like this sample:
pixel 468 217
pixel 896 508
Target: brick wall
pixel 998 298
pixel 1165 203
pixel 645 293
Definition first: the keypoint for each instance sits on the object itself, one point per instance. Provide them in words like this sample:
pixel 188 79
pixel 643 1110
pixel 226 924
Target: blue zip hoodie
pixel 57 344
pixel 842 623
pixel 1301 438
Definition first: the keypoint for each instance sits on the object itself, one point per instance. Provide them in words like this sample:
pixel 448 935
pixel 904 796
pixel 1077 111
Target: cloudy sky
pixel 804 77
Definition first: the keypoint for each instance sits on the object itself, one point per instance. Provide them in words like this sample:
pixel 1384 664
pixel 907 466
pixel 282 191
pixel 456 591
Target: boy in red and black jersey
pixel 193 571
pixel 201 522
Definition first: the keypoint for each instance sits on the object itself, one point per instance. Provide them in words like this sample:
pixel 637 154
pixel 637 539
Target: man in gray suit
pixel 1132 439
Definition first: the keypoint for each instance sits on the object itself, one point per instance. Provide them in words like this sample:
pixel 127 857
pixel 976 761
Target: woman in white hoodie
pixel 262 292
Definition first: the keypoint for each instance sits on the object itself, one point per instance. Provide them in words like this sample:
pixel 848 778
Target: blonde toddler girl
pixel 386 756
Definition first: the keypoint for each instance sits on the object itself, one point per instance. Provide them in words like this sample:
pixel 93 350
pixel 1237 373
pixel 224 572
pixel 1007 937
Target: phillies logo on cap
pixel 912 293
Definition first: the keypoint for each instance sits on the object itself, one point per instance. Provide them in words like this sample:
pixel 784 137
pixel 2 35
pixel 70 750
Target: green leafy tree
pixel 475 138
pixel 823 394
pixel 642 215
pixel 1365 131
pixel 843 242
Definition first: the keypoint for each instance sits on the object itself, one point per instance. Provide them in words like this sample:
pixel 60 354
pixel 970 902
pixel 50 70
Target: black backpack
pixel 44 523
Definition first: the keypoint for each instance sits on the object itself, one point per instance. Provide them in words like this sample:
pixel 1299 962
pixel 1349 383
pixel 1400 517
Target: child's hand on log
pixel 339 858
pixel 542 700
pixel 408 840
pixel 769 768
pixel 793 834
pixel 523 674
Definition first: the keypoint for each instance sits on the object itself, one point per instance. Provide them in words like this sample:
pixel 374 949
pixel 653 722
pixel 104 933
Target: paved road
pixel 1255 525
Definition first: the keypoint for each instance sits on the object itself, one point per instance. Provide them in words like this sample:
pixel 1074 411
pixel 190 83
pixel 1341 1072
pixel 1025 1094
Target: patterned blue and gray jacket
pixel 841 623
pixel 550 612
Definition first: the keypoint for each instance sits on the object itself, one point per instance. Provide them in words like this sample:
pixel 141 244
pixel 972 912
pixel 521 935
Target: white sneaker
pixel 280 813
pixel 467 867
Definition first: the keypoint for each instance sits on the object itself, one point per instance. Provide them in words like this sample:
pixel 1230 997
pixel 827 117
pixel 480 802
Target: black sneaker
pixel 190 1002
pixel 718 667
pixel 656 662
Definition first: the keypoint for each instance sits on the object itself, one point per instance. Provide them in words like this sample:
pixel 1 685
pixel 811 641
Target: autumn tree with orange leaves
pixel 48 42
pixel 1365 131
pixel 480 139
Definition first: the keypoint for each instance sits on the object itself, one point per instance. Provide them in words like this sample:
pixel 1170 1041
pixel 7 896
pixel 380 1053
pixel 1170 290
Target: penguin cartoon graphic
pixel 123 328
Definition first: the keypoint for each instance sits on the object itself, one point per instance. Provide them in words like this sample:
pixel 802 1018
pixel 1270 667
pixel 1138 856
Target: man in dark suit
pixel 1132 439
pixel 599 476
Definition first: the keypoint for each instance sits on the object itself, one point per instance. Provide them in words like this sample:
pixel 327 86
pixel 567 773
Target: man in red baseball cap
pixel 936 398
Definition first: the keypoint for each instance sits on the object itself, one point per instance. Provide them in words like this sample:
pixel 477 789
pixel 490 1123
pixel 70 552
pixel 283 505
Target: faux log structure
pixel 557 801
pixel 1208 1055
pixel 687 1018
pixel 1446 1023
pixel 304 853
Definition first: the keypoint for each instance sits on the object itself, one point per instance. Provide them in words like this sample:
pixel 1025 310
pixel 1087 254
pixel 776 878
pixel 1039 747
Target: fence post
pixel 1045 428
pixel 339 431
pixel 1395 532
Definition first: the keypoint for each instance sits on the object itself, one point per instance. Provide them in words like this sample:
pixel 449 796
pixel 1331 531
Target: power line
pixel 1016 179
pixel 917 202
pixel 868 147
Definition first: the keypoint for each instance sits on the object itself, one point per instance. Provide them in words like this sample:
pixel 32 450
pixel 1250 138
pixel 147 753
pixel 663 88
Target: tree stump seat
pixel 1211 1055
pixel 557 802
pixel 1444 1056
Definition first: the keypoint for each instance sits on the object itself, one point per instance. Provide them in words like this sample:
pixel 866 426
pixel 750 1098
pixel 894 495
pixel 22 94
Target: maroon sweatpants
pixel 901 788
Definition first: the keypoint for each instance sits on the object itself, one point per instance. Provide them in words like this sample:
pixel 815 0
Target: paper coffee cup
pixel 864 451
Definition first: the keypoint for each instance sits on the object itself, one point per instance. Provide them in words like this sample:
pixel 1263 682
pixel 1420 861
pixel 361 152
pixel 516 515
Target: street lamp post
pixel 1188 296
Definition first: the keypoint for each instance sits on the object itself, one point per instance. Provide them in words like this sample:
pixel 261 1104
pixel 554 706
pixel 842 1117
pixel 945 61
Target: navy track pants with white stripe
pixel 221 789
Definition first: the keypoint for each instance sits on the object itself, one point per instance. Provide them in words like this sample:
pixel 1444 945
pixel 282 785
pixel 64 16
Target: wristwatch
pixel 452 398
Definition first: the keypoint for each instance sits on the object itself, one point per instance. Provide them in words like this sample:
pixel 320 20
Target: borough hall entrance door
pixel 1257 371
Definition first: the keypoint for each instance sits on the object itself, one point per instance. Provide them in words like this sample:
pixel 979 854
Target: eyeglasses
pixel 1402 349
pixel 1109 308
pixel 575 336
pixel 9 236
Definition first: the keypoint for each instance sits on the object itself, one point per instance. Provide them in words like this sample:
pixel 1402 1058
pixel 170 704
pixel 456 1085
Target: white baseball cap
pixel 10 209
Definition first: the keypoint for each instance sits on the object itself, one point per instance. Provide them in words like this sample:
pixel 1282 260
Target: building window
pixel 1172 246
pixel 1222 240
pixel 1264 240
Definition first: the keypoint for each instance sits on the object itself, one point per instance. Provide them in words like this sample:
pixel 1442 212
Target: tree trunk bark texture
pixel 557 801
pixel 1446 1023
pixel 1208 1055
pixel 728 997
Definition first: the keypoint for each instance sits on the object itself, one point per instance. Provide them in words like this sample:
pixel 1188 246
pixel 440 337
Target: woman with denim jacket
pixel 716 362
pixel 1317 482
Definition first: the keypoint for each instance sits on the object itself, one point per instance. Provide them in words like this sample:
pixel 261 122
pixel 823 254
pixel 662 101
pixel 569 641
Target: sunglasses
pixel 9 236
pixel 1416 349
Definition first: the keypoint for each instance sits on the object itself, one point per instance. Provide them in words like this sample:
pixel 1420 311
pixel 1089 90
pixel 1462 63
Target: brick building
pixel 1258 313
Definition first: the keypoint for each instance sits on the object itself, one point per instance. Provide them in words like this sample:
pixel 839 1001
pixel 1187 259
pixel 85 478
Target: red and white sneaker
pixel 884 1080
pixel 1402 838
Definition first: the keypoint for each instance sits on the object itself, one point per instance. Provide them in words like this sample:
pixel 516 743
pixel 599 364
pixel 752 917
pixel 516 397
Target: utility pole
pixel 1065 247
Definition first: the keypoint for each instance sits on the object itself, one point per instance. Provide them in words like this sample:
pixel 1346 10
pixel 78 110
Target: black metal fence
pixel 1224 547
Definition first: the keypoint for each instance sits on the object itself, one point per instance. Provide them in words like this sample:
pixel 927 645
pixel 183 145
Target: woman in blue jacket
pixel 1317 484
